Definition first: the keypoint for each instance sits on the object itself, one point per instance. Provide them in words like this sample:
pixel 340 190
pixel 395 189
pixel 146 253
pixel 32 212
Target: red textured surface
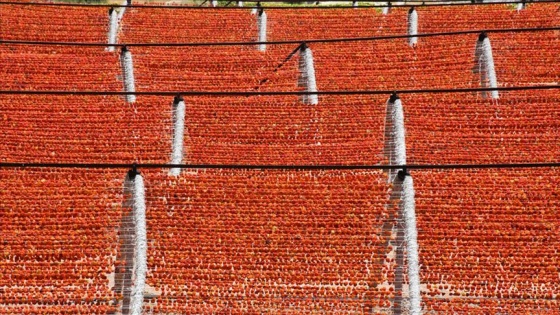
pixel 58 239
pixel 277 241
pixel 52 23
pixel 463 128
pixel 267 241
pixel 489 240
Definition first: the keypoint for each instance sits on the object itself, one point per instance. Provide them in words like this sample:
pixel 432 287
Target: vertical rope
pixel 122 9
pixel 412 27
pixel 179 109
pixel 307 75
pixel 407 203
pixel 261 27
pixel 398 132
pixel 485 63
pixel 113 28
pixel 128 74
pixel 140 243
pixel 386 10
pixel 256 9
pixel 411 234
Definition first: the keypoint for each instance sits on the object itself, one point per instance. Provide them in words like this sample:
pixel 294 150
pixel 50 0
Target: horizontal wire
pixel 135 6
pixel 253 93
pixel 275 167
pixel 283 42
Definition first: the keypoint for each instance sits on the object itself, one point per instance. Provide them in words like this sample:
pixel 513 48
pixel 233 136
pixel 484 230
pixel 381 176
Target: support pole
pixel 256 9
pixel 408 206
pixel 485 63
pixel 398 132
pixel 403 182
pixel 122 9
pixel 128 74
pixel 386 10
pixel 140 244
pixel 113 29
pixel 261 26
pixel 307 75
pixel 412 27
pixel 179 110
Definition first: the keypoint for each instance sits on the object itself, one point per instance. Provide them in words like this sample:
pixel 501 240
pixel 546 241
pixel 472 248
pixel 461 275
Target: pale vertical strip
pixel 261 26
pixel 122 10
pixel 140 247
pixel 407 202
pixel 399 155
pixel 412 27
pixel 128 74
pixel 308 75
pixel 386 10
pixel 489 65
pixel 485 62
pixel 411 235
pixel 113 29
pixel 178 134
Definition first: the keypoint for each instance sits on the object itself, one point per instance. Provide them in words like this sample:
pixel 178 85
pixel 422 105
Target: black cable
pixel 253 93
pixel 280 65
pixel 425 4
pixel 275 167
pixel 284 42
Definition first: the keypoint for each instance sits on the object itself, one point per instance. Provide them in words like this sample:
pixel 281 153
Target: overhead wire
pixel 278 93
pixel 249 93
pixel 282 42
pixel 275 166
pixel 403 5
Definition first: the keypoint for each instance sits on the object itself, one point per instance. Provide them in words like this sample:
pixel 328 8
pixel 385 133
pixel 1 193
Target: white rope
pixel 490 69
pixel 412 27
pixel 113 28
pixel 520 6
pixel 411 235
pixel 355 4
pixel 261 26
pixel 485 60
pixel 386 10
pixel 178 135
pixel 398 157
pixel 398 133
pixel 122 10
pixel 307 75
pixel 128 74
pixel 214 3
pixel 240 3
pixel 141 247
